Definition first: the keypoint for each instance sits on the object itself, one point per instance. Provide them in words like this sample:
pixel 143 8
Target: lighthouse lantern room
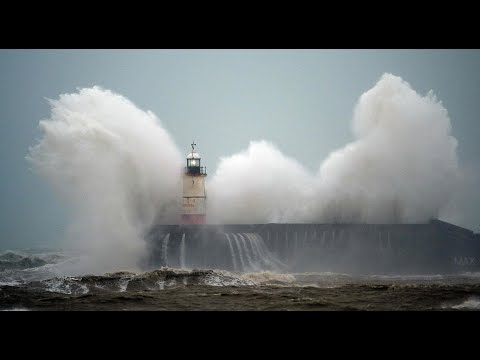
pixel 194 196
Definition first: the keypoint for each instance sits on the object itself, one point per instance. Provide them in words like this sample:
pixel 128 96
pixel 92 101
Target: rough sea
pixel 33 280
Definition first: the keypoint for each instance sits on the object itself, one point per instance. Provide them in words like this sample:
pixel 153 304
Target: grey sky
pixel 301 100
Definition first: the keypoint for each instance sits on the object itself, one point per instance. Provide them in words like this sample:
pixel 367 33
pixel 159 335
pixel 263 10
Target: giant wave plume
pixel 401 168
pixel 102 156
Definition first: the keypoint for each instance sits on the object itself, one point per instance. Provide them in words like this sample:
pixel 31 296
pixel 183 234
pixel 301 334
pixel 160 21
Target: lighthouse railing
pixel 196 170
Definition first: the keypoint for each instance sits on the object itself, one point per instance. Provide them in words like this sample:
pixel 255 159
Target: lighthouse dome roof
pixel 193 155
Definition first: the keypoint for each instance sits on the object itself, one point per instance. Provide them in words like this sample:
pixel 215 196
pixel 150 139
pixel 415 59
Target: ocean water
pixel 35 280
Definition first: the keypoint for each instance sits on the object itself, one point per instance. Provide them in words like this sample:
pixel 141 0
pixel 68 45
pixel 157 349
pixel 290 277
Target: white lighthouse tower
pixel 194 198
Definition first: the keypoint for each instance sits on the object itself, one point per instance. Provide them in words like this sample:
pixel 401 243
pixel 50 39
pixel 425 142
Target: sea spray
pixel 116 168
pixel 401 168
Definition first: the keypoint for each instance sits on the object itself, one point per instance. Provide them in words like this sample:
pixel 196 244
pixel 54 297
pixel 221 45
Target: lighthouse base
pixel 193 219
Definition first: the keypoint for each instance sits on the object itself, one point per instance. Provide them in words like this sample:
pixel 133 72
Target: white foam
pixel 58 285
pixel 226 278
pixel 268 276
pixel 83 289
pixel 470 274
pixel 123 284
pixel 408 277
pixel 473 304
pixel 171 283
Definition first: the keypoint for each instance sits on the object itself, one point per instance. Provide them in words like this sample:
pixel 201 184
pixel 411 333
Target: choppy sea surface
pixel 36 280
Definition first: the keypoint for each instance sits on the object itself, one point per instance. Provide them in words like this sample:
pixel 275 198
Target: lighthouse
pixel 194 197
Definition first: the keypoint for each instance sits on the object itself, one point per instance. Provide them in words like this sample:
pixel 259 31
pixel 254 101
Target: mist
pixel 116 169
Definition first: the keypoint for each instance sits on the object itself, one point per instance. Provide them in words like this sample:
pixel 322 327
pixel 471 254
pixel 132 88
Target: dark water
pixel 34 280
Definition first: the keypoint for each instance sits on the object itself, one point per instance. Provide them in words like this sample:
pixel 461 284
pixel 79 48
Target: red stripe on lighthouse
pixel 193 219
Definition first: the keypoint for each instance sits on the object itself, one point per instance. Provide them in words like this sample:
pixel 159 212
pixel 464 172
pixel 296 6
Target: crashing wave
pixel 160 279
pixel 14 261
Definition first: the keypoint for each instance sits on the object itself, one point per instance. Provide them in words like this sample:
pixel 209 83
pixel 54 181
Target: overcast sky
pixel 301 100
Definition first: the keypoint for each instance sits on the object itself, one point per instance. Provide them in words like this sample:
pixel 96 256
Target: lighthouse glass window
pixel 193 162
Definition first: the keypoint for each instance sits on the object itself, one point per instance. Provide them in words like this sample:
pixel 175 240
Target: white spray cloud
pixel 258 185
pixel 116 168
pixel 400 169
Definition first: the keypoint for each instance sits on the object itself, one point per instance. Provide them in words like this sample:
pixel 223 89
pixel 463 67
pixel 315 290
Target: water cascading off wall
pixel 244 252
